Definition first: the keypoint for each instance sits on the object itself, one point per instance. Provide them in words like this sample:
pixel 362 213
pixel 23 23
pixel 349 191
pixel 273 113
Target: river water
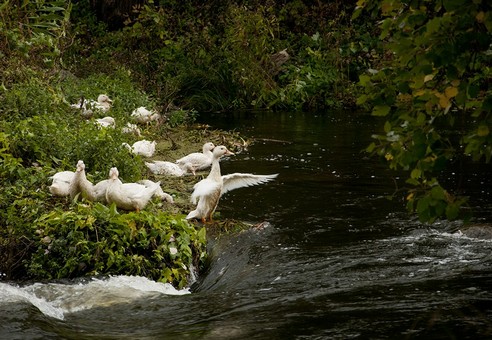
pixel 335 259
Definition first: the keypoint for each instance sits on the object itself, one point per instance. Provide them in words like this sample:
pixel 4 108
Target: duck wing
pixel 207 194
pixel 165 168
pixel 99 190
pixel 206 187
pixel 241 180
pixel 198 160
pixel 63 176
pixel 134 190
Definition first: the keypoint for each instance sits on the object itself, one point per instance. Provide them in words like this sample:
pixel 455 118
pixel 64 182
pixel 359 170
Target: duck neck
pixel 215 170
pixel 86 187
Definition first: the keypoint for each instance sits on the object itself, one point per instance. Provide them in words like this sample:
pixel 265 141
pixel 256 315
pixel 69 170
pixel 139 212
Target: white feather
pixel 240 180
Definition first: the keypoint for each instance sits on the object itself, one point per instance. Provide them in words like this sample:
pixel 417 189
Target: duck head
pixel 80 166
pixel 220 151
pixel 113 173
pixel 102 98
pixel 208 147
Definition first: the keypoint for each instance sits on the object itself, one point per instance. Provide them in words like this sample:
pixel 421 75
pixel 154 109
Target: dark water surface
pixel 336 259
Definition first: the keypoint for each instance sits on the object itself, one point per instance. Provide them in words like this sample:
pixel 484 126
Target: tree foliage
pixel 433 89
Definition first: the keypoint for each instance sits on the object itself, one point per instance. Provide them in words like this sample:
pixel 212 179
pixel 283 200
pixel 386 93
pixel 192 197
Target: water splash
pixel 9 294
pixel 57 299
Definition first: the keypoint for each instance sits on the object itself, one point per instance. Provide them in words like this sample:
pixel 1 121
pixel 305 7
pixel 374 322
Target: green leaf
pixel 438 193
pixel 416 173
pixel 412 181
pixel 387 127
pixel 452 211
pixel 433 25
pixel 381 110
pixel 364 79
pixel 423 209
pixel 361 99
pixel 371 147
pixel 421 118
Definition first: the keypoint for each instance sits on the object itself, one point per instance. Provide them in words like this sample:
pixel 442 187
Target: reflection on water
pixel 337 259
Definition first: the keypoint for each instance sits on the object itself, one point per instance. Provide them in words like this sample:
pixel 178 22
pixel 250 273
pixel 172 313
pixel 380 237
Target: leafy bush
pixel 181 117
pixel 34 30
pixel 93 239
pixel 29 98
pixel 23 198
pixel 311 84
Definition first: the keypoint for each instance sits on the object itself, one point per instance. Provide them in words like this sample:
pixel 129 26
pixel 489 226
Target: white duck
pixel 129 198
pixel 60 185
pixel 87 107
pixel 103 103
pixel 169 168
pixel 144 116
pixel 81 185
pixel 97 192
pixel 106 122
pixel 199 160
pixel 143 147
pixel 209 190
pixel 131 128
pixel 158 193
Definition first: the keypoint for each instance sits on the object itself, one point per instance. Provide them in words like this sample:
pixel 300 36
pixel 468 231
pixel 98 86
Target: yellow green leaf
pixel 451 92
pixel 443 101
pixel 428 77
pixel 483 130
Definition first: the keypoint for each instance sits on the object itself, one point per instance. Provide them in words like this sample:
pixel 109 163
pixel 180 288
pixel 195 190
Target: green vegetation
pixel 425 69
pixel 94 239
pixel 433 90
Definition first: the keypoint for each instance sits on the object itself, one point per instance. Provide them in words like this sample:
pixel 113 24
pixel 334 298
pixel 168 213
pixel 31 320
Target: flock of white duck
pixel 135 196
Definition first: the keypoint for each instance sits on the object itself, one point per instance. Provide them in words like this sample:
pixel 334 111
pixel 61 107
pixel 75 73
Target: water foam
pixel 9 294
pixel 57 299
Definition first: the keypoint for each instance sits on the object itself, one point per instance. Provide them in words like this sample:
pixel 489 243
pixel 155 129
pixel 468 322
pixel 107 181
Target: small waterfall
pixel 57 299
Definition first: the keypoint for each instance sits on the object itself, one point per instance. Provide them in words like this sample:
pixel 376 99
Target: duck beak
pixel 229 153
